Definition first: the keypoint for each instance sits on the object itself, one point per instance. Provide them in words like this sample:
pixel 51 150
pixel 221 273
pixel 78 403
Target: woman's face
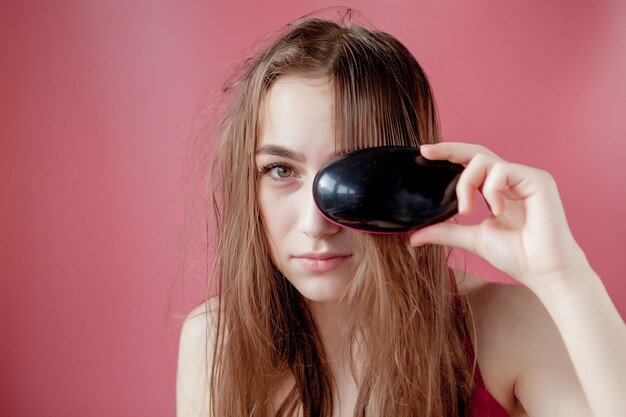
pixel 296 139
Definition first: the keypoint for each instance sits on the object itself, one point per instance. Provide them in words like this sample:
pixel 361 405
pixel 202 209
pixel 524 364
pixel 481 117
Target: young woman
pixel 310 319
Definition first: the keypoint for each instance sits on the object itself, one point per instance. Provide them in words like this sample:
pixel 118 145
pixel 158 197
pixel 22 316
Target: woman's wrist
pixel 575 275
pixel 570 285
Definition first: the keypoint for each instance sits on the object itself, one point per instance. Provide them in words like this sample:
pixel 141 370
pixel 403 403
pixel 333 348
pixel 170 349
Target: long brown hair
pixel 401 303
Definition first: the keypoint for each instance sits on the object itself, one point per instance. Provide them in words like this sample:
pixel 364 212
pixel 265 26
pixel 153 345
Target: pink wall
pixel 98 101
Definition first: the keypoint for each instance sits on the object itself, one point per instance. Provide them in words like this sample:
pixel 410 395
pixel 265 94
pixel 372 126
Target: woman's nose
pixel 311 221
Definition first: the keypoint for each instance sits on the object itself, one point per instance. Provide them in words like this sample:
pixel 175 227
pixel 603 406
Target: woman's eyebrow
pixel 280 151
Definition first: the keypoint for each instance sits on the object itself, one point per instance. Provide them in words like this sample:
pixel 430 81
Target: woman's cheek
pixel 278 206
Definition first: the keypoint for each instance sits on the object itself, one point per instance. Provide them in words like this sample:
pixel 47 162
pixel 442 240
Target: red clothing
pixel 481 403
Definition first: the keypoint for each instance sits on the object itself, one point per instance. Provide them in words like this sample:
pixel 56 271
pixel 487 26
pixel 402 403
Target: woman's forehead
pixel 297 109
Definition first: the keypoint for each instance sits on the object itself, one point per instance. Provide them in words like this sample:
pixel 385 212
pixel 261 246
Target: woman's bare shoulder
pixel 494 303
pixel 194 355
pixel 519 350
pixel 199 325
pixel 202 312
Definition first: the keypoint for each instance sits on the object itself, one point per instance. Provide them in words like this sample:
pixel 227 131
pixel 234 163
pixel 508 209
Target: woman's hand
pixel 526 236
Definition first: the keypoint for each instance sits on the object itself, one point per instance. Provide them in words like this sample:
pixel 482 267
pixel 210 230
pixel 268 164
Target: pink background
pixel 99 101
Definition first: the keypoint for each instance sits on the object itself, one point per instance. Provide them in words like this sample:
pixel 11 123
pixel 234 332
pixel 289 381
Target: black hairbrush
pixel 386 189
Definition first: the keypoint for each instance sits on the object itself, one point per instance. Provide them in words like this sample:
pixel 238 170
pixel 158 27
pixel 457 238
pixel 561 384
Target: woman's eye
pixel 282 172
pixel 278 172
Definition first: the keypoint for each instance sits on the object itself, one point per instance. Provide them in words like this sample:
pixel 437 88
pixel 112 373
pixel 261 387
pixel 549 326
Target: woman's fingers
pixel 457 152
pixel 527 236
pixel 447 234
pixel 478 161
pixel 472 179
pixel 497 185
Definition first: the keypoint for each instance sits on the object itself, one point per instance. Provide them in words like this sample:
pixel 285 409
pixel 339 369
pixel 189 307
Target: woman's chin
pixel 322 292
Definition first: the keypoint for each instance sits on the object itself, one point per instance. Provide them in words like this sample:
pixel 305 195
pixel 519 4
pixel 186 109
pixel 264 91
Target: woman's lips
pixel 321 263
